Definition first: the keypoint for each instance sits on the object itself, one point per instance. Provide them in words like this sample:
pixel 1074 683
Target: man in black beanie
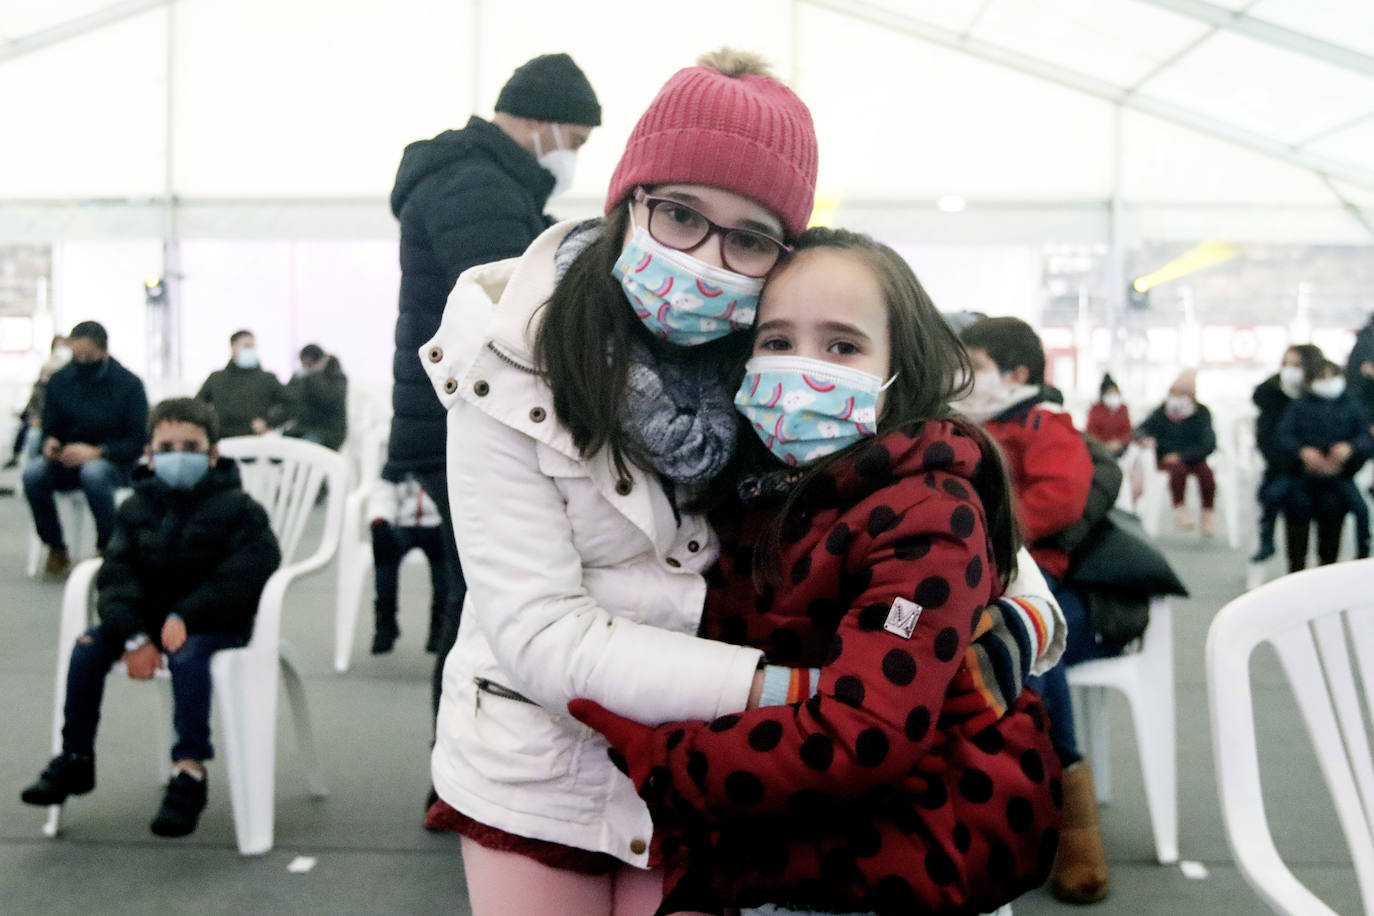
pixel 463 198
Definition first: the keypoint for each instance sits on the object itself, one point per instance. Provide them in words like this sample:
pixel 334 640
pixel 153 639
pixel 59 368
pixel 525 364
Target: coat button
pixel 435 354
pixel 693 546
pixel 450 385
pixel 637 846
pixel 480 388
pixel 537 414
pixel 623 486
pixel 673 562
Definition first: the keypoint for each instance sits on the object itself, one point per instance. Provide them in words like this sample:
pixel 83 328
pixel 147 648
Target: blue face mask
pixel 247 358
pixel 180 470
pixel 804 409
pixel 682 299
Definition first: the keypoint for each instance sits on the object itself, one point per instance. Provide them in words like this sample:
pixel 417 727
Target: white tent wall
pixel 272 156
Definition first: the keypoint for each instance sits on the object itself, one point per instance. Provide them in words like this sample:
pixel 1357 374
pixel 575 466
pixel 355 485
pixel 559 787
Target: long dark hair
pixel 583 346
pixel 932 368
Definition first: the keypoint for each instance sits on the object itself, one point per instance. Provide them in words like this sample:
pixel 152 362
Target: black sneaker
pixel 181 806
pixel 65 774
pixel 1265 552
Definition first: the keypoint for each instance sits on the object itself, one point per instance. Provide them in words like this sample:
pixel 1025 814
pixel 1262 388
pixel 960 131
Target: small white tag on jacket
pixel 902 617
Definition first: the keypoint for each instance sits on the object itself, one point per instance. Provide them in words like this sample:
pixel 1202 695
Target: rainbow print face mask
pixel 804 409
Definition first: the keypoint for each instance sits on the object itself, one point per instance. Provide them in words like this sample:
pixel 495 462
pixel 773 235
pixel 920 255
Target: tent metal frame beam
pixel 96 19
pixel 1242 23
pixel 1108 92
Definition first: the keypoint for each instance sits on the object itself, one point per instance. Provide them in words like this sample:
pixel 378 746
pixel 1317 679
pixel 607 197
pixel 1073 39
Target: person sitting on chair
pixel 402 517
pixel 94 413
pixel 1180 431
pixel 182 575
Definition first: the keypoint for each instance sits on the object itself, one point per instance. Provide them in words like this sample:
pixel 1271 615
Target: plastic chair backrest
pixel 286 477
pixel 1315 621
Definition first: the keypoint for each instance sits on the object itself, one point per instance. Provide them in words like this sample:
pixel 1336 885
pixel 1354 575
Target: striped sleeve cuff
pixel 782 685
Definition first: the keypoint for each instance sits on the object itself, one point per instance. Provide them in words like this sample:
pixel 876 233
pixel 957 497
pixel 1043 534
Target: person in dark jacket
pixel 94 414
pixel 247 398
pixel 183 572
pixel 1359 371
pixel 318 395
pixel 1180 430
pixel 469 197
pixel 1281 469
pixel 1326 435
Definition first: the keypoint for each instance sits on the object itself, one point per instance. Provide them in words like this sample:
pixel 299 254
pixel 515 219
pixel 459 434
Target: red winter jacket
pixel 860 798
pixel 1107 425
pixel 1051 473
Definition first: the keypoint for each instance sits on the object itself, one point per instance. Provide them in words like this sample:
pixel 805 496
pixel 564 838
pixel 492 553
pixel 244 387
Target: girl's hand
pixel 632 744
pixel 173 634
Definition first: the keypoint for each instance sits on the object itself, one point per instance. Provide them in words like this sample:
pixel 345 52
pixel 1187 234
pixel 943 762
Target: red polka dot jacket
pixel 863 797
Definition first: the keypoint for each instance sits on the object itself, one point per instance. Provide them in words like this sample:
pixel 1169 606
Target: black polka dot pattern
pixel 912 548
pixel 873 616
pixel 743 788
pixel 766 735
pixel 818 752
pixel 871 747
pixel 899 667
pixel 990 741
pixel 837 541
pixel 876 461
pixel 882 518
pixel 917 723
pixel 697 765
pixel 946 644
pixel 938 455
pixel 724 723
pixel 1020 814
pixel 1032 765
pixel 975 786
pixel 801 569
pixel 933 592
pixel 973 572
pixel 962 521
pixel 955 488
pixel 962 836
pixel 849 689
pixel 939 867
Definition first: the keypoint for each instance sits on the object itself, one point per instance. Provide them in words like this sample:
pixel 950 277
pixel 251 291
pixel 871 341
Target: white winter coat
pixel 581 583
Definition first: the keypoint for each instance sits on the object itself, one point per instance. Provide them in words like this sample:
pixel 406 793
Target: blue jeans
pixel 92 657
pixel 1053 685
pixel 99 479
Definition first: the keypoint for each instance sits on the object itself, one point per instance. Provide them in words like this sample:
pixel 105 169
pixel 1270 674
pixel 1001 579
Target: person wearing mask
pixel 1281 469
pixel 463 198
pixel 1181 434
pixel 1359 371
pixel 94 414
pixel 28 437
pixel 247 398
pixel 1326 433
pixel 1109 420
pixel 318 395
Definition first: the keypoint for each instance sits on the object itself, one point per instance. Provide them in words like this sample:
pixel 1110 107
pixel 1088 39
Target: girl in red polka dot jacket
pixel 895 764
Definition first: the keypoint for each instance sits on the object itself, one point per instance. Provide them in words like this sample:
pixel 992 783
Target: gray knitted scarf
pixel 678 413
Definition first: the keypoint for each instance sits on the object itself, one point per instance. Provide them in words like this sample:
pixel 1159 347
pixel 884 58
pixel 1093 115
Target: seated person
pixel 319 399
pixel 403 517
pixel 94 413
pixel 1180 431
pixel 182 576
pixel 1325 431
pixel 247 398
pixel 1109 420
pixel 1282 469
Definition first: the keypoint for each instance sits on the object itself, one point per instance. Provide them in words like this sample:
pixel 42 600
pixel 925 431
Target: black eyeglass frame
pixel 652 201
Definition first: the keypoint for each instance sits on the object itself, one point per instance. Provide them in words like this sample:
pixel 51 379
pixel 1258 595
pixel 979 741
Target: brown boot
pixel 1080 868
pixel 59 563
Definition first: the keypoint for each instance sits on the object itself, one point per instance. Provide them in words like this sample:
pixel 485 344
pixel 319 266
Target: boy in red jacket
pixel 1051 474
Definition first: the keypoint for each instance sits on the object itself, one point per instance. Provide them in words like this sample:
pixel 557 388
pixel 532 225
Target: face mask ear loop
pixel 888 384
pixel 557 135
pixel 538 146
pixel 633 225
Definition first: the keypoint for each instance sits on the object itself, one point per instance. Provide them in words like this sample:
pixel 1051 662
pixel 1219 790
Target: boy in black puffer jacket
pixel 182 575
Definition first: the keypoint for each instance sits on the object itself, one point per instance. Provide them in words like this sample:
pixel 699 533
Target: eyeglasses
pixel 682 228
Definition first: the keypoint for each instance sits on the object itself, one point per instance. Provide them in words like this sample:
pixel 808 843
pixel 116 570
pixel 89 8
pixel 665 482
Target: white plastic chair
pixel 1146 677
pixel 285 476
pixel 1313 620
pixel 1155 500
pixel 78 529
pixel 355 546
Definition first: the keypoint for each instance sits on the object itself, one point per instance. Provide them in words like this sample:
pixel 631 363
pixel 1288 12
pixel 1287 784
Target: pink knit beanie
pixel 747 134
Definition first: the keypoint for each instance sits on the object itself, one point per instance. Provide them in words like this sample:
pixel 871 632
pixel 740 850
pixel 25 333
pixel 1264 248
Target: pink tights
pixel 509 884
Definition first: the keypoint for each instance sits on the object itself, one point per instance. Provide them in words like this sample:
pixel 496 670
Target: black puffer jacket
pixel 464 198
pixel 1272 401
pixel 205 553
pixel 319 405
pixel 99 405
pixel 1191 438
pixel 241 396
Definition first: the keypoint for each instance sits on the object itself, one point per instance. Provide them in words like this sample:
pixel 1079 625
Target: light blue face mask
pixel 181 470
pixel 682 299
pixel 247 358
pixel 804 409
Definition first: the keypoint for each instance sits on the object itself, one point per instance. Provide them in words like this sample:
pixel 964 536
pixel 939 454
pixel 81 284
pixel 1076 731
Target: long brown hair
pixel 932 368
pixel 583 345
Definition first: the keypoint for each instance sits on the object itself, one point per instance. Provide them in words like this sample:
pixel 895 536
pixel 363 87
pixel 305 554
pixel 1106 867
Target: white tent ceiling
pixel 1064 120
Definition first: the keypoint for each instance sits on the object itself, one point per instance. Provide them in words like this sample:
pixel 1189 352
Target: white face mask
pixel 1290 380
pixel 1112 400
pixel 560 162
pixel 1329 388
pixel 62 354
pixel 1179 405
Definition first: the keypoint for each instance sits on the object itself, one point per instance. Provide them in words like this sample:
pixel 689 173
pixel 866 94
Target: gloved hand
pixel 966 706
pixel 632 747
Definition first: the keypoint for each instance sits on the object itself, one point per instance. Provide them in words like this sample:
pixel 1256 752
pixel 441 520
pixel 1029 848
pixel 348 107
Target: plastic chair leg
pixel 162 763
pixel 300 715
pixel 246 692
pixel 1152 709
pixel 1097 747
pixel 353 570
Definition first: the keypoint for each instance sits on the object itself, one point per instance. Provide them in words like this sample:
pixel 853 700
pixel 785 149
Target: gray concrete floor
pixel 371 855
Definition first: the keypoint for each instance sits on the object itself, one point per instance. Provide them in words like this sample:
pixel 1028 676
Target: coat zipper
pixel 497 690
pixel 510 360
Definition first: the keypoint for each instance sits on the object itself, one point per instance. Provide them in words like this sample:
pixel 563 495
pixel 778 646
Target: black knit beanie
pixel 1107 382
pixel 550 88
